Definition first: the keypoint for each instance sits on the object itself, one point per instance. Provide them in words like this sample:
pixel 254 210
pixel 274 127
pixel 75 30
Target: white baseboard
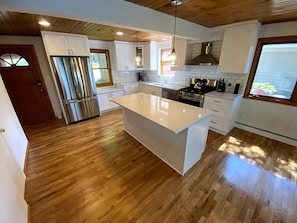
pixel 267 134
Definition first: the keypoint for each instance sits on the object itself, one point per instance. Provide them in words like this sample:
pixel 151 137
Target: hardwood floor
pixel 93 171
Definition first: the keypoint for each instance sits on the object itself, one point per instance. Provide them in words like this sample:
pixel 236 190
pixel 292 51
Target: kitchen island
pixel 173 131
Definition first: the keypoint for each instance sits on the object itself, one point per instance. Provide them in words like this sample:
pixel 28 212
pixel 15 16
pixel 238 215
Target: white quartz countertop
pixel 170 114
pixel 102 90
pixel 164 85
pixel 228 96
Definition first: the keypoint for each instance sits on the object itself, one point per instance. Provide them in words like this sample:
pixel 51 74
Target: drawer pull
pixel 213 122
pixel 215 111
pixel 217 101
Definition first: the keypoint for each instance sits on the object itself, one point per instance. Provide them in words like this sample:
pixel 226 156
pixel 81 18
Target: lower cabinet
pixel 151 90
pixel 225 108
pixel 130 88
pixel 105 104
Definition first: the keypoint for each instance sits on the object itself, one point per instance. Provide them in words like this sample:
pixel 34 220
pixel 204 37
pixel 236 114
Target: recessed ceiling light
pixel 44 23
pixel 119 33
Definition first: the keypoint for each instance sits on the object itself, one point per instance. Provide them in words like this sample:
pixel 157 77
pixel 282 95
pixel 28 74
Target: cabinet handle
pixel 217 101
pixel 213 122
pixel 2 130
pixel 215 111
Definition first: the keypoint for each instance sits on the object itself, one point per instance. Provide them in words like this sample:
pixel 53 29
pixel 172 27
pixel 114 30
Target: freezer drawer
pixel 81 109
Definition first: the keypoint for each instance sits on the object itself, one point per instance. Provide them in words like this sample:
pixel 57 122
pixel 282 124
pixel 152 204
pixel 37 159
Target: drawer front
pixel 218 110
pixel 220 124
pixel 218 101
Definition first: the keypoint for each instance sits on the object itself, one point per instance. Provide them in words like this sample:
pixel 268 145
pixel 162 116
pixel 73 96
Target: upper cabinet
pixel 126 52
pixel 238 48
pixel 62 44
pixel 181 50
pixel 150 56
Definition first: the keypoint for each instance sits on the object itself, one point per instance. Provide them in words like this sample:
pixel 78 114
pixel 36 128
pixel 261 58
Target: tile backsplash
pixel 183 77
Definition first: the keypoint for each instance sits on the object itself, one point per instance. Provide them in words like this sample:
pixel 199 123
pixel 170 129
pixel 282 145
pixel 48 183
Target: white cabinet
pixel 150 89
pixel 131 88
pixel 125 54
pixel 150 56
pixel 62 44
pixel 238 48
pixel 225 109
pixel 105 104
pixel 181 50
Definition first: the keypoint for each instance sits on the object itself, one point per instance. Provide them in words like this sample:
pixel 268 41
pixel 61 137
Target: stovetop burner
pixel 193 90
pixel 194 94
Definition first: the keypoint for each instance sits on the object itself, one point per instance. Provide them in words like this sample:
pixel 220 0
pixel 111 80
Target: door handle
pixel 2 130
pixel 38 82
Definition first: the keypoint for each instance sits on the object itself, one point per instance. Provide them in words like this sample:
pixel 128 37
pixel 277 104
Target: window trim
pixel 110 83
pixel 260 44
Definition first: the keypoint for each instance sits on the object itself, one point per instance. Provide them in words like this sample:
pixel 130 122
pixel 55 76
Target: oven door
pixel 191 102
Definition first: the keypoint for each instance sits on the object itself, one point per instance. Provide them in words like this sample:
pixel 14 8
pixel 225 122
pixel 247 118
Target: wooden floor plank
pixel 93 171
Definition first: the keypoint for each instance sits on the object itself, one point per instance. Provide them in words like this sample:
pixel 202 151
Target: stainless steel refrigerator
pixel 76 86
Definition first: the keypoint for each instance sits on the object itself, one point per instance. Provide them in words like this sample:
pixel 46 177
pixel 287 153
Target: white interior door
pixel 13 207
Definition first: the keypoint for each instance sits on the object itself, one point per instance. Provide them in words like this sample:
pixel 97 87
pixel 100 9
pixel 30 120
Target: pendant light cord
pixel 174 26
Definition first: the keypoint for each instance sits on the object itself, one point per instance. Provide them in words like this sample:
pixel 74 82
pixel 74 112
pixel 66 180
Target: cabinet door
pixel 181 49
pixel 152 90
pixel 56 45
pixel 104 103
pixel 113 95
pixel 65 45
pixel 130 89
pixel 125 53
pixel 78 46
pixel 238 48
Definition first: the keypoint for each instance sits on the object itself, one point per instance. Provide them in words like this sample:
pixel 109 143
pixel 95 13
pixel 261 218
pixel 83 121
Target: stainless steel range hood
pixel 205 58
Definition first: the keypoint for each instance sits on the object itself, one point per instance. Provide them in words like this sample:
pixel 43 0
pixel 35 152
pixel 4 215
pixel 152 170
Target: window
pixel 165 69
pixel 101 67
pixel 273 75
pixel 11 59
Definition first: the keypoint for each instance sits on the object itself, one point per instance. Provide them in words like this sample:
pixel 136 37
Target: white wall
pixel 43 63
pixel 270 119
pixel 13 145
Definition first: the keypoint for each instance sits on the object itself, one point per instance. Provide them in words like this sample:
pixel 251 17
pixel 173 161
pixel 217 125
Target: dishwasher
pixel 170 94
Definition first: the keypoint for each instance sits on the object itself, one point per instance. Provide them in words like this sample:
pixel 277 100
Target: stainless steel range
pixel 194 94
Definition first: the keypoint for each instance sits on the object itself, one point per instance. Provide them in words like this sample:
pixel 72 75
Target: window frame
pixel 110 83
pixel 260 44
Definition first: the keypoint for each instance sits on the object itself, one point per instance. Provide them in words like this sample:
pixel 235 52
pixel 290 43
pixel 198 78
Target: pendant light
pixel 138 55
pixel 172 57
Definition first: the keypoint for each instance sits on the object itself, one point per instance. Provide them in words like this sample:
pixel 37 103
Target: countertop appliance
pixel 194 94
pixel 76 87
pixel 140 76
pixel 221 85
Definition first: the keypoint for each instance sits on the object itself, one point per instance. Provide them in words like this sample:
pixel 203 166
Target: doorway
pixel 23 80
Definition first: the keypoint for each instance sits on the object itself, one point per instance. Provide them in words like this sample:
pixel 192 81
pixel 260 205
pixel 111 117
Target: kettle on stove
pixel 221 85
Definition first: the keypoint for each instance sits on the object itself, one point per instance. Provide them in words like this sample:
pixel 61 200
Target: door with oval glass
pixel 22 78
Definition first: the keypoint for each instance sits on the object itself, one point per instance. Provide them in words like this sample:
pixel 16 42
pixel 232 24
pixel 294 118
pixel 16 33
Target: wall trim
pixel 26 159
pixel 267 134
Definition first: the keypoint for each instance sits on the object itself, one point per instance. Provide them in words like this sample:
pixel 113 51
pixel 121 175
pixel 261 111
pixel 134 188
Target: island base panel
pixel 180 151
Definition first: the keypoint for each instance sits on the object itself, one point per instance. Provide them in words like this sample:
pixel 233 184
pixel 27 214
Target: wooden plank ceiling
pixel 209 13
pixel 23 24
